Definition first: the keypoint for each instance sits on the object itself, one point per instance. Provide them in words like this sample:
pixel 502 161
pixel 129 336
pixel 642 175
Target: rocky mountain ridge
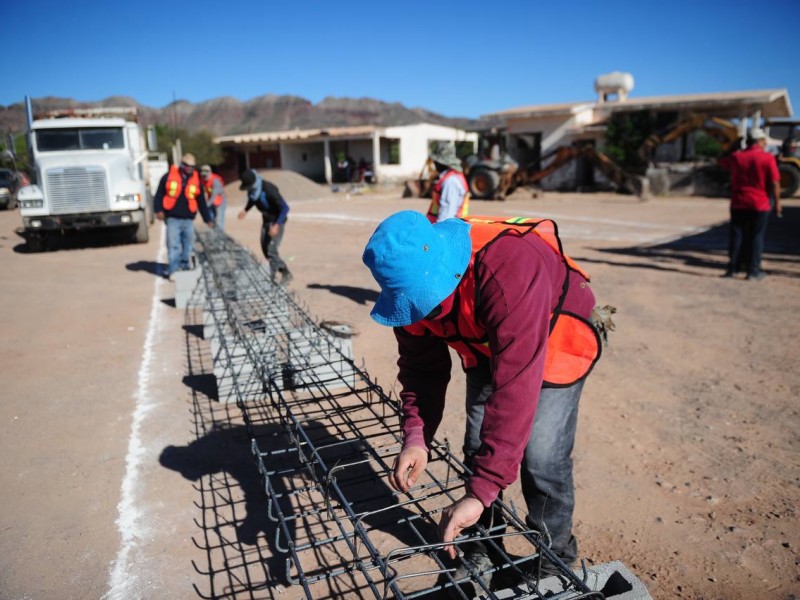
pixel 228 116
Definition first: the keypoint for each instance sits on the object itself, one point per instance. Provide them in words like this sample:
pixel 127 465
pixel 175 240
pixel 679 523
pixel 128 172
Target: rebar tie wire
pixel 324 472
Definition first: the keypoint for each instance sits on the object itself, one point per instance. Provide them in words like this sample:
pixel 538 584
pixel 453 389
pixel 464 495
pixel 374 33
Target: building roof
pixel 300 135
pixel 541 110
pixel 771 103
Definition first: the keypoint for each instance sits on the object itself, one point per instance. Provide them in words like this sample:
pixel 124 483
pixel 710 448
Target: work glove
pixel 601 319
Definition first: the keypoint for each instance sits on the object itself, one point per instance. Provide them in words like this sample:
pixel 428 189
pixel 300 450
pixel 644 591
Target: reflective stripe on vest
pixel 436 194
pixel 209 187
pixel 174 186
pixel 573 346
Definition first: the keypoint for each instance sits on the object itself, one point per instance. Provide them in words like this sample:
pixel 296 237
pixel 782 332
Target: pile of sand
pixel 293 186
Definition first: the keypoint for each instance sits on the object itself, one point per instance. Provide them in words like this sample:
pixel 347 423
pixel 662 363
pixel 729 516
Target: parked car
pixel 9 186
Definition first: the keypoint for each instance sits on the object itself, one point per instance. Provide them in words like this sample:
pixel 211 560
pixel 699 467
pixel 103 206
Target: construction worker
pixel 214 188
pixel 516 310
pixel 754 178
pixel 450 193
pixel 177 200
pixel 267 198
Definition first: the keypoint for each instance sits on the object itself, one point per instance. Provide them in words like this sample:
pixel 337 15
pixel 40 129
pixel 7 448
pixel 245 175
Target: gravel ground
pixel 686 462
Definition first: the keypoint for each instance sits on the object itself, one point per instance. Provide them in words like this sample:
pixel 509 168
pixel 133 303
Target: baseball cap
pixel 248 178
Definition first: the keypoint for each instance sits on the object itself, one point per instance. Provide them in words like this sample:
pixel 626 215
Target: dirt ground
pixel 687 457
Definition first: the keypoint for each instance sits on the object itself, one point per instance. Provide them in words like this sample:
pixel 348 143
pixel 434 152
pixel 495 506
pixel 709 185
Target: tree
pixel 625 134
pixel 706 146
pixel 20 159
pixel 201 144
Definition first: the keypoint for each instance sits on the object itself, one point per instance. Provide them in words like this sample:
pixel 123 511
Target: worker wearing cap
pixel 177 200
pixel 266 197
pixel 516 310
pixel 754 178
pixel 450 193
pixel 214 188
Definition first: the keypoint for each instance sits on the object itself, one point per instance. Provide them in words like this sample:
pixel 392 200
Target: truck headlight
pixel 5 191
pixel 31 203
pixel 128 198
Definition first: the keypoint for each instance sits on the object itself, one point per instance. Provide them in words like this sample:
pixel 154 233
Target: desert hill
pixel 227 115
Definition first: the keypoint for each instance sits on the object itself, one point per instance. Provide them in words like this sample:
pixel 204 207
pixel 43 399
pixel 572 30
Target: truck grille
pixel 77 190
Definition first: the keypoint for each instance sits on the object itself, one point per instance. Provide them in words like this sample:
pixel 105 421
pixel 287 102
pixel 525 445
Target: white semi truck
pixel 90 171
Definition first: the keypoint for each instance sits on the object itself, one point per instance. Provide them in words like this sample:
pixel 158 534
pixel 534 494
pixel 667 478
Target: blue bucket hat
pixel 417 264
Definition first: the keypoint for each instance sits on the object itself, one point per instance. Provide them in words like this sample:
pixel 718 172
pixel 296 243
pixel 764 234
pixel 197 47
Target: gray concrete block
pixel 613 579
pixel 185 283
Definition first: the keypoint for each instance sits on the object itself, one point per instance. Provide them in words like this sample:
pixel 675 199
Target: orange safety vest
pixel 209 186
pixel 173 189
pixel 436 193
pixel 573 346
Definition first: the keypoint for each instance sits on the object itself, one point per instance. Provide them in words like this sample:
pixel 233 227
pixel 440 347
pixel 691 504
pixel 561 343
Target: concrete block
pixel 613 579
pixel 185 283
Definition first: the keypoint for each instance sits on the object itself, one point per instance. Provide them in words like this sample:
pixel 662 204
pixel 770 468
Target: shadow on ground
pixel 356 294
pixel 79 240
pixel 708 250
pixel 147 266
pixel 245 547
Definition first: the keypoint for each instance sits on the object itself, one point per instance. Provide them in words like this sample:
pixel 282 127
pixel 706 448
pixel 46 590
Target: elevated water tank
pixel 613 84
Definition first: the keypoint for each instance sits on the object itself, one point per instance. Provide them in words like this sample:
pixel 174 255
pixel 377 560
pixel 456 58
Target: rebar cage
pixel 324 437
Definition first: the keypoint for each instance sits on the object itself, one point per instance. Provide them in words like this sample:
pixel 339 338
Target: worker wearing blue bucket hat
pixel 416 265
pixel 505 297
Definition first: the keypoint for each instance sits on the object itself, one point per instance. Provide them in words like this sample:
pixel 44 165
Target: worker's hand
pixel 274 229
pixel 211 223
pixel 242 214
pixel 160 216
pixel 456 518
pixel 407 468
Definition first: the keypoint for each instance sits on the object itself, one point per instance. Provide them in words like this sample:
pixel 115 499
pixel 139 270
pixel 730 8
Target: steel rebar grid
pixel 323 470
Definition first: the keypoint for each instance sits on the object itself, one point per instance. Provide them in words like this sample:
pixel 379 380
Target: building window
pixel 390 151
pixel 464 148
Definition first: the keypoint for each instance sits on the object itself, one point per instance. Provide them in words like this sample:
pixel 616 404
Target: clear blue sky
pixel 460 59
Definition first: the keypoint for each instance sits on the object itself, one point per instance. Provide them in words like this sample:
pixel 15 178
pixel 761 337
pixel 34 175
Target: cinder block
pixel 613 580
pixel 185 283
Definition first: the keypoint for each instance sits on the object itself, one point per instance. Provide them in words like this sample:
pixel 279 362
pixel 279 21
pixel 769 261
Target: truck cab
pixel 90 172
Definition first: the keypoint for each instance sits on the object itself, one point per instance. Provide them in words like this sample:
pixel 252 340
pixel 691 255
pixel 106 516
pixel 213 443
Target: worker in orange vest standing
pixel 450 193
pixel 519 313
pixel 177 200
pixel 214 188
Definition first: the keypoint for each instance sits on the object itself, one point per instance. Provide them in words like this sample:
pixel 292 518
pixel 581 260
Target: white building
pixel 529 133
pixel 394 153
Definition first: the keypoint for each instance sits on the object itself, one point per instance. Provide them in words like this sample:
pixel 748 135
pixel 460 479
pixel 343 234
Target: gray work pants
pixel 546 470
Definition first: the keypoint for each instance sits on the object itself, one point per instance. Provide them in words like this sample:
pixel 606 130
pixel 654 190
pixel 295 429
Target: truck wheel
pixel 37 242
pixel 483 184
pixel 790 179
pixel 141 234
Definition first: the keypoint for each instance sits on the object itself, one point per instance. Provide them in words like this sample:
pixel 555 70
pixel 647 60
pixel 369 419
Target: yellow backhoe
pixel 727 134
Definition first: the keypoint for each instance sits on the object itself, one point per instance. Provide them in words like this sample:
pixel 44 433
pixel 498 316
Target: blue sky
pixel 460 59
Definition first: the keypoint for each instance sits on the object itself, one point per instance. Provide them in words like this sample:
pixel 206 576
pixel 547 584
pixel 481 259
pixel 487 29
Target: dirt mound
pixel 293 186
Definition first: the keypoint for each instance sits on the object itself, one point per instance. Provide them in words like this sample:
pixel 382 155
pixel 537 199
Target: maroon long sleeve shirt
pixel 519 281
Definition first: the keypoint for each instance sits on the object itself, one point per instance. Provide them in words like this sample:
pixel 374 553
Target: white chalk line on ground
pixel 129 520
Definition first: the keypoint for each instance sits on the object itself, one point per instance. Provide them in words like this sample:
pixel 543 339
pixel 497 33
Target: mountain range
pixel 228 116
